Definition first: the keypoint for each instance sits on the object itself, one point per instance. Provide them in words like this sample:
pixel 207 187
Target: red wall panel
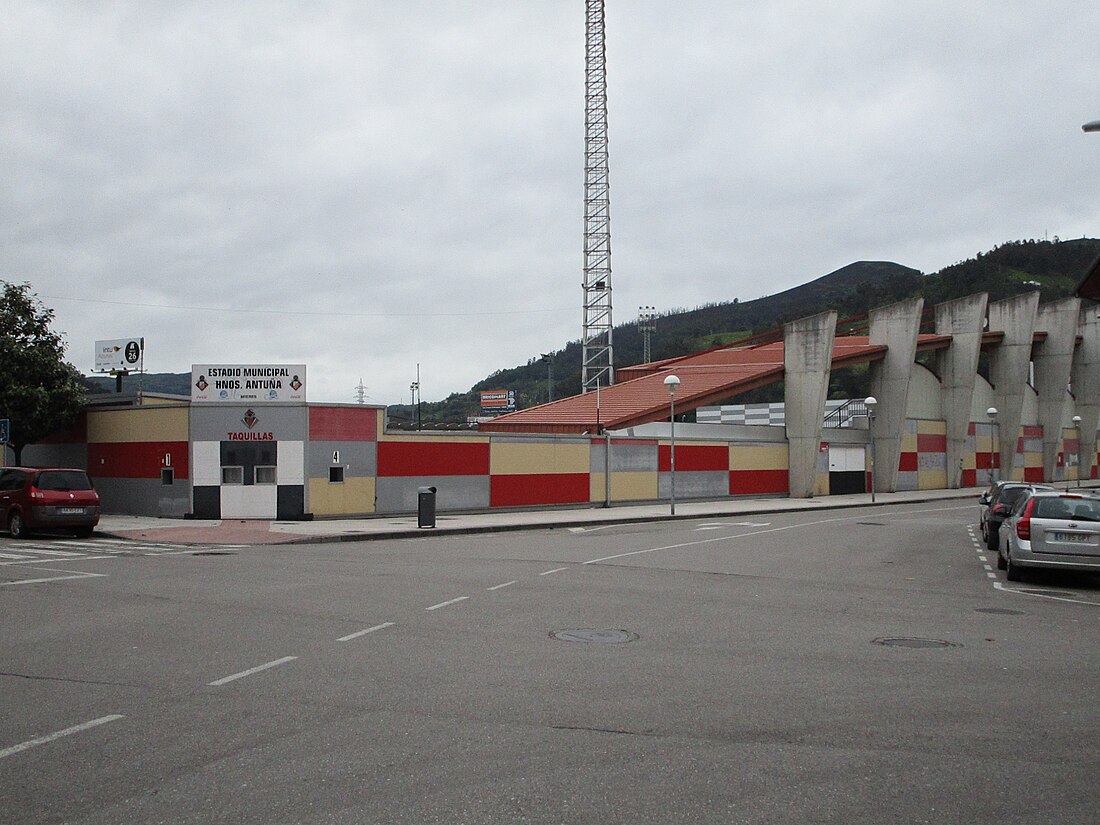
pixel 747 482
pixel 931 443
pixel 969 478
pixel 908 463
pixel 137 459
pixel 1034 474
pixel 343 424
pixel 693 458
pixel 548 488
pixel 437 458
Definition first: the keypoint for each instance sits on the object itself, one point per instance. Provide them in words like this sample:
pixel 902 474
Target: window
pixel 232 475
pixel 335 475
pixel 167 476
pixel 265 475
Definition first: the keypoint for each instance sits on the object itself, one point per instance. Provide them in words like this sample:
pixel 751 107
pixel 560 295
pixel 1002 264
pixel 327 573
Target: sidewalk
pixel 404 526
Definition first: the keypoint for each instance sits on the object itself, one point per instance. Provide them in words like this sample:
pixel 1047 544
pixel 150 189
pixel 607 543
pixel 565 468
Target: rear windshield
pixel 63 480
pixel 1010 495
pixel 1075 509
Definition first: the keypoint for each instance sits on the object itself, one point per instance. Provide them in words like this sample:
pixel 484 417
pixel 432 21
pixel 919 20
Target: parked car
pixel 53 498
pixel 996 505
pixel 1052 530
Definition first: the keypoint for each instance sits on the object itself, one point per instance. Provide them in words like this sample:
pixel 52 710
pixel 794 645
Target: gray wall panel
pixel 709 484
pixel 398 494
pixel 907 480
pixel 359 458
pixel 144 497
pixel 55 455
pixel 625 458
pixel 213 422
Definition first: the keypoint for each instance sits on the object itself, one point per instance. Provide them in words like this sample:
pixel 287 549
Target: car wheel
pixel 1013 572
pixel 83 532
pixel 1001 563
pixel 17 527
pixel 992 540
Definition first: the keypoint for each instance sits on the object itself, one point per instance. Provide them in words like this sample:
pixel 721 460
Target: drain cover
pixel 585 634
pixel 213 553
pixel 1000 611
pixel 902 641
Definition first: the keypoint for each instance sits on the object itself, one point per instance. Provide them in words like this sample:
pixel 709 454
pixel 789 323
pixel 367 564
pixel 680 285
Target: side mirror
pixel 983 499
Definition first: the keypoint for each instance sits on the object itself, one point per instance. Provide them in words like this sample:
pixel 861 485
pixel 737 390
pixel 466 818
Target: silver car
pixel 1051 530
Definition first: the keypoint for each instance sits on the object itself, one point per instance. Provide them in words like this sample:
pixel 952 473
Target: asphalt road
pixel 719 671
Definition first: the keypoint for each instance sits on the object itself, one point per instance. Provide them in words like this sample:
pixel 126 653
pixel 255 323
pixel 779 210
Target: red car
pixel 52 498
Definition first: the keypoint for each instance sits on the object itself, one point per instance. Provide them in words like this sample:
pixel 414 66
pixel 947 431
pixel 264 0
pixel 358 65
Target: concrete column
pixel 957 365
pixel 807 361
pixel 1053 360
pixel 1085 376
pixel 1009 368
pixel 897 326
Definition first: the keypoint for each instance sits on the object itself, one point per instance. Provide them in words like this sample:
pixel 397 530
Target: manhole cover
pixel 584 634
pixel 1000 611
pixel 903 641
pixel 213 553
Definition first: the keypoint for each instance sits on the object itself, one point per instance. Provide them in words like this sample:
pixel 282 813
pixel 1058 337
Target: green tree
pixel 39 390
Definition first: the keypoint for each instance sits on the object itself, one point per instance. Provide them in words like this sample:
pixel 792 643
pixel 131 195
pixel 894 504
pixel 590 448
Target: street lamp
pixel 870 402
pixel 992 414
pixel 548 357
pixel 1077 427
pixel 1091 126
pixel 673 383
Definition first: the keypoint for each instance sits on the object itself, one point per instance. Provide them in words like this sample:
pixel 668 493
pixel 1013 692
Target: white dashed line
pixel 499 586
pixel 50 737
pixel 449 601
pixel 74 574
pixel 251 670
pixel 991 575
pixel 359 633
pixel 555 570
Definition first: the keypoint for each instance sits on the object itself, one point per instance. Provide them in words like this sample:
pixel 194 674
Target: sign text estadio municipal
pixel 248 383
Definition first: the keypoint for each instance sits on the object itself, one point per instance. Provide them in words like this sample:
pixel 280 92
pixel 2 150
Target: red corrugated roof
pixel 705 378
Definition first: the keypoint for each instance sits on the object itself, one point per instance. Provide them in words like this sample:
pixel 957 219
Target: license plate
pixel 1073 538
pixel 70 511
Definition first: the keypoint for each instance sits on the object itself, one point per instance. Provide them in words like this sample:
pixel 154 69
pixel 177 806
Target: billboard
pixel 248 383
pixel 119 355
pixel 495 402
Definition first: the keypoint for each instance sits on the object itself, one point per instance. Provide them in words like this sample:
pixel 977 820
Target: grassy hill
pixel 1052 267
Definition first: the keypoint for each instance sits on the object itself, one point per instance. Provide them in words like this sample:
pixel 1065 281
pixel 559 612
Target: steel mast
pixel 597 367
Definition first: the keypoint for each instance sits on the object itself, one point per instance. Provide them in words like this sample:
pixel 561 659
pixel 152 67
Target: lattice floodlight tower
pixel 597 368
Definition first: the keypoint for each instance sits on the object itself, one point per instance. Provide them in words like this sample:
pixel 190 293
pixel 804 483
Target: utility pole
pixel 597 362
pixel 548 358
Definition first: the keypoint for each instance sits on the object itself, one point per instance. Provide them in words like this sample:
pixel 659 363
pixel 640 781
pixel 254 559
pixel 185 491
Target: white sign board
pixel 121 354
pixel 248 383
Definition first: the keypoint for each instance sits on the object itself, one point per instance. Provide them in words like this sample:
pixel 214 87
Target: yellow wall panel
pixel 763 457
pixel 927 426
pixel 355 495
pixel 524 459
pixel 137 424
pixel 909 442
pixel 821 484
pixel 931 479
pixel 633 486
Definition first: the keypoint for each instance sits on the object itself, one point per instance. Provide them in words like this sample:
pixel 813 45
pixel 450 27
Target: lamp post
pixel 992 414
pixel 1091 126
pixel 548 357
pixel 673 383
pixel 870 402
pixel 1077 428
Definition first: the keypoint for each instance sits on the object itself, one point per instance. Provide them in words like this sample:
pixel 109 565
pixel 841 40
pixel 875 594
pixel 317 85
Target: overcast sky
pixel 361 186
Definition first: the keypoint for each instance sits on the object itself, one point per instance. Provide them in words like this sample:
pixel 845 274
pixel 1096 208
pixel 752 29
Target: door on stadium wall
pixel 249 488
pixel 847 469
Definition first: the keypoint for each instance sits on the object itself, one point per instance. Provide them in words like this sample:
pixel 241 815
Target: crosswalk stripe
pixel 65 553
pixel 14 556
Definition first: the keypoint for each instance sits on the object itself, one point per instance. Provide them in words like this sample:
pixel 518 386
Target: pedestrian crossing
pixel 38 550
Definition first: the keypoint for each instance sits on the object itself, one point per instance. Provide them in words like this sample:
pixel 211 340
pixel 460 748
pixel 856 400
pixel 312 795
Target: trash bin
pixel 425 506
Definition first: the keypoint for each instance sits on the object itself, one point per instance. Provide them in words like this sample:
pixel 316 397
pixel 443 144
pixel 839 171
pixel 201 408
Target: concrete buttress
pixel 1086 384
pixel 1053 359
pixel 1009 368
pixel 807 361
pixel 957 365
pixel 897 326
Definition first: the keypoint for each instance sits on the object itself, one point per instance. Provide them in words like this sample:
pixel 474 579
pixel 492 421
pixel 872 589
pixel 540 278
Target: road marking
pixel 1000 586
pixel 449 601
pixel 63 553
pixel 986 566
pixel 555 570
pixel 74 574
pixel 50 737
pixel 499 586
pixel 251 670
pixel 991 575
pixel 14 556
pixel 359 633
pixel 697 542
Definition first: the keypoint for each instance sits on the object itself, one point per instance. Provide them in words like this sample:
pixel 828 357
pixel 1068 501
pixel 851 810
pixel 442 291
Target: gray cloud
pixel 382 174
